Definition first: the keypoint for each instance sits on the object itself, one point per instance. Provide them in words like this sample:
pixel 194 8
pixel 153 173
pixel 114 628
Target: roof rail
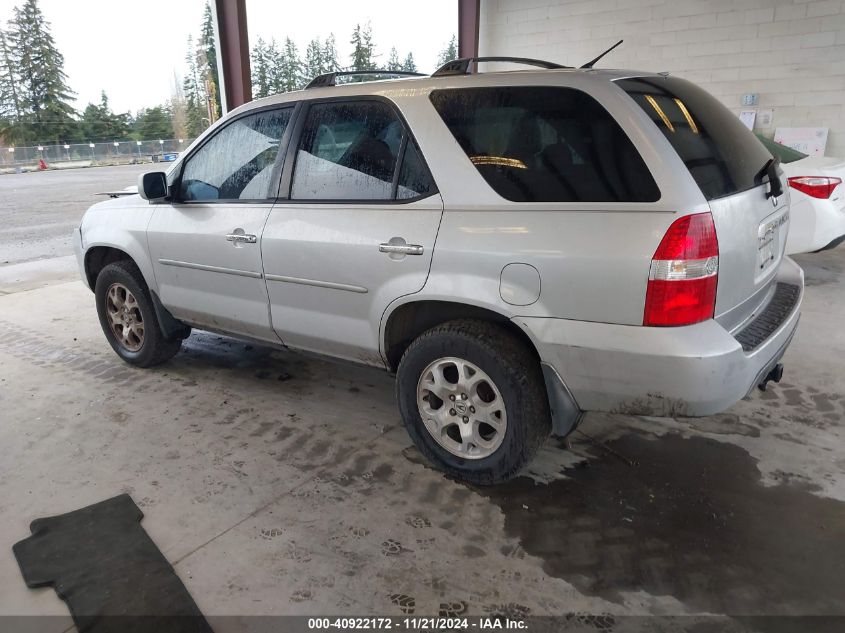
pixel 461 66
pixel 330 79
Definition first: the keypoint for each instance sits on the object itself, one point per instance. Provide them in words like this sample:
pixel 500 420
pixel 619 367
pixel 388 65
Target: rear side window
pixel 354 151
pixel 414 179
pixel 721 154
pixel 545 144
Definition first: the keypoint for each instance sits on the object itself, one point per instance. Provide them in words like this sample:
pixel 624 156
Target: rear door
pixel 727 162
pixel 353 229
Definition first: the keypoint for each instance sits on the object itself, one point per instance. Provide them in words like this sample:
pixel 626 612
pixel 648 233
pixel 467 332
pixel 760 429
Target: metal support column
pixel 469 12
pixel 232 43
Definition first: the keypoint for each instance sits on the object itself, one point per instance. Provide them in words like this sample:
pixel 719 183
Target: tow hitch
pixel 774 375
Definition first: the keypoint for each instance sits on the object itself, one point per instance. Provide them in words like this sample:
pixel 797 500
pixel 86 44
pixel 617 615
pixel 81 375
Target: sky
pixel 131 49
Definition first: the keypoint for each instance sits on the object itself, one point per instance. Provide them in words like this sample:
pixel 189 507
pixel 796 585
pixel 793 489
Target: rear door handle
pixel 243 238
pixel 401 249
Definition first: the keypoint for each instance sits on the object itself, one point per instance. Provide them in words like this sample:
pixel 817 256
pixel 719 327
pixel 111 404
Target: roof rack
pixel 330 79
pixel 461 66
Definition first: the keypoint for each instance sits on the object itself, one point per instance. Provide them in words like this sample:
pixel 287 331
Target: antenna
pixel 592 62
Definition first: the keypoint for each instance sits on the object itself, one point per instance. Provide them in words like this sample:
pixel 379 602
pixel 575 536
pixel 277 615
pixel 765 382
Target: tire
pixel 507 381
pixel 145 345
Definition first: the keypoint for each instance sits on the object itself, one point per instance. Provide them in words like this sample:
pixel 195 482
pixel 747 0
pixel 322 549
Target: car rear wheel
pixel 473 400
pixel 128 318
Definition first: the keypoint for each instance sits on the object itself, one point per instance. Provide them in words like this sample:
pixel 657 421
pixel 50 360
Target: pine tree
pixel 196 110
pixel 99 123
pixel 314 59
pixel 408 65
pixel 153 124
pixel 261 71
pixel 42 87
pixel 209 51
pixel 275 67
pixel 393 62
pixel 10 106
pixel 291 67
pixel 362 48
pixel 179 110
pixel 449 53
pixel 331 64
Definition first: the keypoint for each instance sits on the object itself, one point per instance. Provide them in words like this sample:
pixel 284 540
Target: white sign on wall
pixel 810 140
pixel 747 117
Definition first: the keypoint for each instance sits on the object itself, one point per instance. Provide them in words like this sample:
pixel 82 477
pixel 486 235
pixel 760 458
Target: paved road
pixel 39 210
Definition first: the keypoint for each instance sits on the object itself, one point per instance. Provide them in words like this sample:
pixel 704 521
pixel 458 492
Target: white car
pixel 818 198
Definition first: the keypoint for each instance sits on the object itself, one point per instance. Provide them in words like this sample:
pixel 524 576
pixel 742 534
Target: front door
pixel 205 246
pixel 353 230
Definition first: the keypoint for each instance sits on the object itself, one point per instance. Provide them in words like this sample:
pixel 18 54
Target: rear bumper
pixel 695 370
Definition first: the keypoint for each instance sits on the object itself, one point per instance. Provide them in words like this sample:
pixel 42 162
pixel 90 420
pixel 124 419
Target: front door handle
pixel 241 238
pixel 401 249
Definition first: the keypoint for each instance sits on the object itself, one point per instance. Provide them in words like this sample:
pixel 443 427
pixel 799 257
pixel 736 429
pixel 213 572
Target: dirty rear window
pixel 721 154
pixel 545 144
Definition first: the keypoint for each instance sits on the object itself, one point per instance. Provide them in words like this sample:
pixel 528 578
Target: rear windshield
pixel 722 155
pixel 545 144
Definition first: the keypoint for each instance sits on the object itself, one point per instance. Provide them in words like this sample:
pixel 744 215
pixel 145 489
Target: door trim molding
pixel 211 269
pixel 316 282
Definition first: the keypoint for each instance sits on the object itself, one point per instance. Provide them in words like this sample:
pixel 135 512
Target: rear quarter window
pixel 721 154
pixel 545 144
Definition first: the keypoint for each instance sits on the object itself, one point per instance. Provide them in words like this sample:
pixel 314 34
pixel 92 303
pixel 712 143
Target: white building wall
pixel 790 52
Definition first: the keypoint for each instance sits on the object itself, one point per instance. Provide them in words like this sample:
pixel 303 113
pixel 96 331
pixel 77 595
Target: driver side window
pixel 237 162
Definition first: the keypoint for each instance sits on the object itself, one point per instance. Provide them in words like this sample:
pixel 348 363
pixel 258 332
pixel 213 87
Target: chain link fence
pixel 86 154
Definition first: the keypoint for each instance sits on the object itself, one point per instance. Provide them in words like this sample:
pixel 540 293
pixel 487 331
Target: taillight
pixel 683 274
pixel 815 186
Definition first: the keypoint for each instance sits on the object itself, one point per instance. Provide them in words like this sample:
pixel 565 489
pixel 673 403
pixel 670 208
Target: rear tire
pixel 489 435
pixel 128 318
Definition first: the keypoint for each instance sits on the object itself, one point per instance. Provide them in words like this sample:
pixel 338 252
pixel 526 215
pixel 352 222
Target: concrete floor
pixel 278 484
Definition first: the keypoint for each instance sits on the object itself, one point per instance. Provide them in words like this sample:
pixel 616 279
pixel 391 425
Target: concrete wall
pixel 790 52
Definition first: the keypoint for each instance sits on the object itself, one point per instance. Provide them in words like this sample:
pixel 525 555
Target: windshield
pixel 721 154
pixel 783 153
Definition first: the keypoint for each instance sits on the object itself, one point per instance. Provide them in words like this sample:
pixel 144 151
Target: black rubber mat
pixel 107 569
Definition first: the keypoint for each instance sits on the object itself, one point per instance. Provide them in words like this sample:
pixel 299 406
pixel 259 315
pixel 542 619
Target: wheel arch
pixel 408 320
pixel 101 250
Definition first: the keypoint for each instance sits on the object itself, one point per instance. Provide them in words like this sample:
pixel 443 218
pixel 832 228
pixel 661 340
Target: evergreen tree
pixel 408 65
pixel 153 124
pixel 261 69
pixel 42 90
pixel 10 106
pixel 209 54
pixel 99 123
pixel 393 62
pixel 291 67
pixel 362 48
pixel 275 66
pixel 449 53
pixel 196 112
pixel 178 110
pixel 314 60
pixel 331 64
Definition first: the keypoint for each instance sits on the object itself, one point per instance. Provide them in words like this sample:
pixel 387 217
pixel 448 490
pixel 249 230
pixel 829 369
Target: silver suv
pixel 517 247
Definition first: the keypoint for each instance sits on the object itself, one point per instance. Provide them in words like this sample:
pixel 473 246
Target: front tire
pixel 128 318
pixel 473 400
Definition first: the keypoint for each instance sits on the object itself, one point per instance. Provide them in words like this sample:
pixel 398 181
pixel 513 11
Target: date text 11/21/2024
pixel 417 623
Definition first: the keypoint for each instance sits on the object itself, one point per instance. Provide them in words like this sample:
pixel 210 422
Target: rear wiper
pixel 770 170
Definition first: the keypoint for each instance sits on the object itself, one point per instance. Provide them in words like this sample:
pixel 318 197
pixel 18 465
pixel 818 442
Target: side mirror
pixel 153 186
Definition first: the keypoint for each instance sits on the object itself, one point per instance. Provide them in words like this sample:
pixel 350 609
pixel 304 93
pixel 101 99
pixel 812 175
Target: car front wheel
pixel 473 400
pixel 128 318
